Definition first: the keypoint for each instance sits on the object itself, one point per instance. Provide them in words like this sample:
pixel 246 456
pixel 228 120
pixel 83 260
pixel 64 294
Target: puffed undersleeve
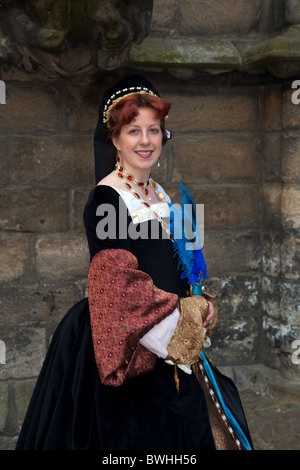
pixel 160 335
pixel 124 306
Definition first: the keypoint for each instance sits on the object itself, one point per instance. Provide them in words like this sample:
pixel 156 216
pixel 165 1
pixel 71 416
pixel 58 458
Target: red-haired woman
pixel 125 369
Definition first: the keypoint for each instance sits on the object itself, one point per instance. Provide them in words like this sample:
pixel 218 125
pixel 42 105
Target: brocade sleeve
pixel 124 305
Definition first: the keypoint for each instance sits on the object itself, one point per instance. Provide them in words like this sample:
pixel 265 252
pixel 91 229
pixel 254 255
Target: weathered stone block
pixel 15 400
pixel 290 207
pixel 3 161
pixel 82 105
pixel 290 305
pixel 236 335
pixel 235 342
pixel 290 258
pixel 272 207
pixel 25 351
pixel 222 205
pixel 228 254
pixel 37 304
pixel 290 157
pixel 29 106
pixel 185 55
pixel 10 427
pixel 212 110
pixel 270 352
pixel 271 254
pixel 216 159
pixel 8 443
pixel 271 297
pixel 3 400
pixel 288 369
pixel 34 210
pixel 57 159
pixel 228 207
pixel 233 17
pixel 289 334
pixel 277 54
pixel 292 11
pixel 23 391
pixel 290 109
pixel 272 156
pixel 61 256
pixel 236 295
pixel 80 197
pixel 14 256
pixel 273 108
pixel 163 16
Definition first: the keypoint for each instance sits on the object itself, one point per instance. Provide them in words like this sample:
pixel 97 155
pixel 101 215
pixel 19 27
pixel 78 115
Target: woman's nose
pixel 144 138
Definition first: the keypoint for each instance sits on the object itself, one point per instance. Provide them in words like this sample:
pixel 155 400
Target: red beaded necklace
pixel 127 179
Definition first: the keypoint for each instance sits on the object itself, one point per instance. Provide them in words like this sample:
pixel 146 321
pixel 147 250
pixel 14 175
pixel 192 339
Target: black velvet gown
pixel 72 410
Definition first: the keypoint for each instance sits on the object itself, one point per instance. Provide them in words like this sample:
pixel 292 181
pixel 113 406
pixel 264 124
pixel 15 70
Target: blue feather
pixel 191 261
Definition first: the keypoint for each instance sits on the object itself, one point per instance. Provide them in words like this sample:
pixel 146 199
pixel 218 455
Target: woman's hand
pixel 211 320
pixel 210 315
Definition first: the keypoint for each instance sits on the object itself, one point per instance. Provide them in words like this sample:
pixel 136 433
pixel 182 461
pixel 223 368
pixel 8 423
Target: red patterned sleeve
pixel 124 305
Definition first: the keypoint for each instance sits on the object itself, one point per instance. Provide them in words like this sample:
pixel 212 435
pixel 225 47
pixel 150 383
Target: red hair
pixel 128 108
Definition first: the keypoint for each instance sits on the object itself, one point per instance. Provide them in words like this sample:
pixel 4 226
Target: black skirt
pixel 72 410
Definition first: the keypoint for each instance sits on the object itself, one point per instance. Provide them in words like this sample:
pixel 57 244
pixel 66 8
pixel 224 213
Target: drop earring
pixel 158 163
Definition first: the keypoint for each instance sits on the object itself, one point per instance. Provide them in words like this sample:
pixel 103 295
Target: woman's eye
pixel 151 131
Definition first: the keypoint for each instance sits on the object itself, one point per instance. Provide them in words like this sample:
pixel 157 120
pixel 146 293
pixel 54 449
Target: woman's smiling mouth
pixel 144 153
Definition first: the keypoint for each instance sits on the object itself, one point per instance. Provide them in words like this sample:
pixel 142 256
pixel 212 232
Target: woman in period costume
pixel 126 369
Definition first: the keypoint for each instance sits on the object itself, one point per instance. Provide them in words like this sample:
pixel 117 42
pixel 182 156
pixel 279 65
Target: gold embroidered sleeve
pixel 187 340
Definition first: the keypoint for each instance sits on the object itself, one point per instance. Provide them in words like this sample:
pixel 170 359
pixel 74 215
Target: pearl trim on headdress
pixel 115 98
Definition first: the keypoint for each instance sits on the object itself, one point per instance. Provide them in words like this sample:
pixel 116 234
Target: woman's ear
pixel 115 141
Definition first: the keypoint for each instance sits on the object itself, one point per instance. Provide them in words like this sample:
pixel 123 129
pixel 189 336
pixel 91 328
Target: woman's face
pixel 139 143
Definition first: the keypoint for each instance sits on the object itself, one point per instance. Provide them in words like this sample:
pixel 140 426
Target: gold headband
pixel 114 99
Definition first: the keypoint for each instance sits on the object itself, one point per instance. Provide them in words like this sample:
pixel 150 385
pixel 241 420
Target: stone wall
pixel 235 140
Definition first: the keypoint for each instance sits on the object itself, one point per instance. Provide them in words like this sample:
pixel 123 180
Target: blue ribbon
pixel 239 432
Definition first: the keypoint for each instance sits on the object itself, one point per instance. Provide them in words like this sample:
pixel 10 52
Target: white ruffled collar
pixel 138 212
